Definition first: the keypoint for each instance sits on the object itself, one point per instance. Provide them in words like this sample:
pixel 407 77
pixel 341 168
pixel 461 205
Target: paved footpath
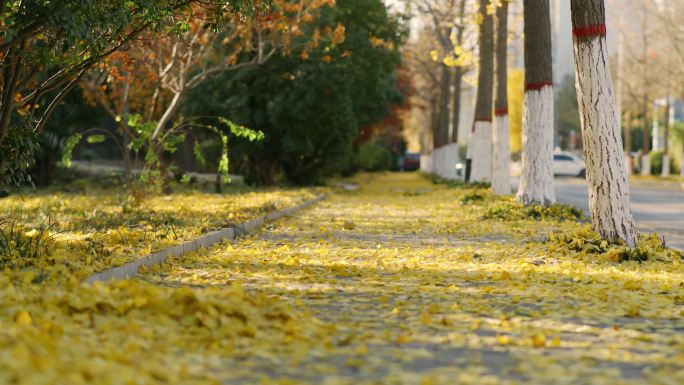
pixel 407 284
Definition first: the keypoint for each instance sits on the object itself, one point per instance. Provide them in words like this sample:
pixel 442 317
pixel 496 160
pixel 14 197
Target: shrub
pixel 472 198
pixel 373 156
pixel 656 162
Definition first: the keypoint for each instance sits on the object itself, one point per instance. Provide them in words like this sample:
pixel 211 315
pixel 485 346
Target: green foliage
pixel 589 243
pixel 21 245
pixel 567 110
pixel 242 131
pixel 456 184
pixel 68 150
pixel 373 156
pixel 17 155
pixel 510 210
pixel 475 197
pixel 93 139
pixel 309 106
pixel 657 162
pixel 48 45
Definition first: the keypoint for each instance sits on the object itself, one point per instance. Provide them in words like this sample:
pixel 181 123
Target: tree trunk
pixel 481 138
pixel 501 181
pixel 458 77
pixel 444 106
pixel 645 139
pixel 456 108
pixel 536 182
pixel 666 144
pixel 126 154
pixel 628 144
pixel 434 122
pixel 607 179
pixel 439 154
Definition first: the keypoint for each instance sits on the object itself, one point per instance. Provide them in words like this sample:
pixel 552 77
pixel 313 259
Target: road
pixel 655 210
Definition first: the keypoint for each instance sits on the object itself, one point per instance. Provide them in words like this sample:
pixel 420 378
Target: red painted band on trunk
pixel 501 111
pixel 589 31
pixel 538 86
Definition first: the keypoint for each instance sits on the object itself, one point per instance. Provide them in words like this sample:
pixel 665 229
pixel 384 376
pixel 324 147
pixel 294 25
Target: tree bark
pixel 645 139
pixel 481 139
pixel 434 122
pixel 501 183
pixel 444 105
pixel 666 145
pixel 628 144
pixel 456 108
pixel 536 182
pixel 607 179
pixel 458 77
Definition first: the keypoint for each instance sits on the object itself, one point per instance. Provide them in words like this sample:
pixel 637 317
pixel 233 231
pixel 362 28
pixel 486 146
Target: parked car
pixel 568 164
pixel 409 162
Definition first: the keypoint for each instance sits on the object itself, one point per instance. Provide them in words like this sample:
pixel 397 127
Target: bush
pixel 373 156
pixel 657 163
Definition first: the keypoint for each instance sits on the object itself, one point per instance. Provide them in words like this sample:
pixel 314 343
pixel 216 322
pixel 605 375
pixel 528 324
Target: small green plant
pixel 21 247
pixel 472 198
pixel 455 183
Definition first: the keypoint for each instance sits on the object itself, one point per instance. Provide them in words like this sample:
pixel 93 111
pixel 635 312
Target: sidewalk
pixel 409 283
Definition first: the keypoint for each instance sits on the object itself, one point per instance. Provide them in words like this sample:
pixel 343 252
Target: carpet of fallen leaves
pixel 409 284
pixel 398 282
pixel 54 329
pixel 86 228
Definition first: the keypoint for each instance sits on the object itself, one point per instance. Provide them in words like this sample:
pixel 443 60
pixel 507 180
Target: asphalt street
pixel 655 209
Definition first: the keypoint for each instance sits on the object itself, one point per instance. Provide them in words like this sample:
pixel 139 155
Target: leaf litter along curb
pixel 413 286
pixel 93 228
pixel 54 329
pixel 420 289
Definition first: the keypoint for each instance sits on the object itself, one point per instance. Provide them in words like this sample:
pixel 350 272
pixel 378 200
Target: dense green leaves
pixel 313 102
pixel 46 46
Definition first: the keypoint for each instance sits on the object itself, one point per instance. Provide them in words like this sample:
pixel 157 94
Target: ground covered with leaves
pixel 84 227
pixel 399 282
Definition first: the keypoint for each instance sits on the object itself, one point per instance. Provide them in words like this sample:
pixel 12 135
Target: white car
pixel 568 164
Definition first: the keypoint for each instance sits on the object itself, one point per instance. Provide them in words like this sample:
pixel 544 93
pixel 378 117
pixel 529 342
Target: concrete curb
pixel 207 240
pixel 658 185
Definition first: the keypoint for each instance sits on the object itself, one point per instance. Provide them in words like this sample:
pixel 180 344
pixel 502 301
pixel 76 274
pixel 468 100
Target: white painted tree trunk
pixel 426 163
pixel 438 161
pixel 446 161
pixel 666 166
pixel 536 181
pixel 501 176
pixel 645 165
pixel 628 164
pixel 481 143
pixel 611 215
